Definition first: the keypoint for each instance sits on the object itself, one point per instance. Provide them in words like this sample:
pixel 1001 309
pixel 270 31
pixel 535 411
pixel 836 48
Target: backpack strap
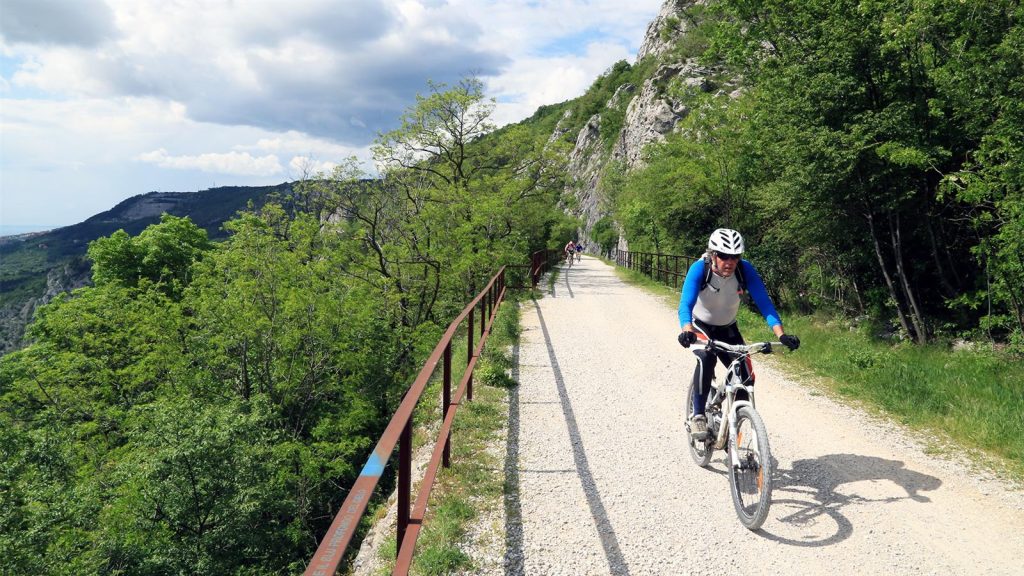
pixel 707 274
pixel 740 276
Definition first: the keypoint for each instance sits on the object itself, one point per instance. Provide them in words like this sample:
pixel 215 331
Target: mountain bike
pixel 579 255
pixel 735 426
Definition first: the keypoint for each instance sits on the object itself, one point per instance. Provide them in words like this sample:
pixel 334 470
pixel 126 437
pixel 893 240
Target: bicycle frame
pixel 732 384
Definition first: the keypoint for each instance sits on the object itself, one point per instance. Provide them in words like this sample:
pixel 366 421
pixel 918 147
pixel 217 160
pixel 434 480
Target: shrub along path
pixel 601 481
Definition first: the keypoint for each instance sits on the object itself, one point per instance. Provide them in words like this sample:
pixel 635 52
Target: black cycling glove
pixel 686 338
pixel 789 341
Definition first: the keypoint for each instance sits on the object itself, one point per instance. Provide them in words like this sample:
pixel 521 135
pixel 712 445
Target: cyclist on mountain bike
pixel 569 250
pixel 709 302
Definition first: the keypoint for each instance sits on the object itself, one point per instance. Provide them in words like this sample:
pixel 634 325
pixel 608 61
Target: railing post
pixel 490 301
pixel 446 402
pixel 404 481
pixel 483 327
pixel 470 329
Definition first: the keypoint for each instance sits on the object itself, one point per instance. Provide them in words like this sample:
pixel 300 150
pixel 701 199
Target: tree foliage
pixel 202 407
pixel 873 159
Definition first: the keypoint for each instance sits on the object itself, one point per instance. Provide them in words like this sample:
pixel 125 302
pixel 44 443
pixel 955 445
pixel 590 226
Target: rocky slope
pixel 653 109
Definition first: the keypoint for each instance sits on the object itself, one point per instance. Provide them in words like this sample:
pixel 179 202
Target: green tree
pixel 163 254
pixel 850 110
pixel 605 234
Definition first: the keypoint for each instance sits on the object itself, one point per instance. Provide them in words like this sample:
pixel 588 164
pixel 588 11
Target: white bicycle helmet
pixel 726 241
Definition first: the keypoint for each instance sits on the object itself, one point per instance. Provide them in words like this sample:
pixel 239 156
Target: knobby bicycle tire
pixel 751 483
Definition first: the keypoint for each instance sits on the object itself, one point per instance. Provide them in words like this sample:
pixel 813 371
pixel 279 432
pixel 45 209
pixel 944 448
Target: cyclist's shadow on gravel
pixel 807 495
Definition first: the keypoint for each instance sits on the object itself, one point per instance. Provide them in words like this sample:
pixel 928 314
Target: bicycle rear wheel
pixel 700 450
pixel 751 481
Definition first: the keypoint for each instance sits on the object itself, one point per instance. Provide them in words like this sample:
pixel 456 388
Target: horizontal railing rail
pixel 399 431
pixel 668 269
pixel 540 262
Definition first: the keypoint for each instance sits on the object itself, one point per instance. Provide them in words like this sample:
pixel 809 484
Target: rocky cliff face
pixel 651 112
pixel 68 276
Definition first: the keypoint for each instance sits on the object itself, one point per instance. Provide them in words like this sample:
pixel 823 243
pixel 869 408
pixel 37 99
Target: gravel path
pixel 603 483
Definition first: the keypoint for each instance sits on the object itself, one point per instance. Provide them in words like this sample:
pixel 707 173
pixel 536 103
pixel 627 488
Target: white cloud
pixel 343 71
pixel 308 66
pixel 238 163
pixel 293 142
pixel 534 82
pixel 63 161
pixel 259 90
pixel 302 166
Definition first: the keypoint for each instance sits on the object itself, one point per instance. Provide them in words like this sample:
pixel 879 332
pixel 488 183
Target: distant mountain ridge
pixel 35 267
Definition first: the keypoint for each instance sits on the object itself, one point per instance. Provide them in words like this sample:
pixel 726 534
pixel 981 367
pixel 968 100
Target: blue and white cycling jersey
pixel 718 303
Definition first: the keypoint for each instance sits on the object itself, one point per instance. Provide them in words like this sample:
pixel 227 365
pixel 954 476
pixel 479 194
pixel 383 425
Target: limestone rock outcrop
pixel 652 112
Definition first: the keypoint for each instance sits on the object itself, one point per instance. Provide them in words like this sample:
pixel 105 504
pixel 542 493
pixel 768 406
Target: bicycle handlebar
pixel 755 348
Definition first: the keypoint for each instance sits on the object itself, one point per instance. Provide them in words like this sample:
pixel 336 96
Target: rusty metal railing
pixel 665 268
pixel 332 548
pixel 540 262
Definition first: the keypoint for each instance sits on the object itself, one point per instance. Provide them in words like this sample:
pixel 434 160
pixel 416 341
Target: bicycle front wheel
pixel 750 480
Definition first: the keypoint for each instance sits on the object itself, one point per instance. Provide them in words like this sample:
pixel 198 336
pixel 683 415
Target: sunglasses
pixel 727 256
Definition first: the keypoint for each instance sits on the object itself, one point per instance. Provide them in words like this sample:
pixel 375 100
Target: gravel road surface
pixel 603 483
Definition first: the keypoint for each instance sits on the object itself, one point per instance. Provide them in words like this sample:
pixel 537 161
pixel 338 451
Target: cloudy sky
pixel 101 100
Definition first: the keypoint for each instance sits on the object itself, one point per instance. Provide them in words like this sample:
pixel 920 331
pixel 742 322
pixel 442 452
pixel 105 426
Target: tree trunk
pixel 915 312
pixel 948 291
pixel 885 274
pixel 856 293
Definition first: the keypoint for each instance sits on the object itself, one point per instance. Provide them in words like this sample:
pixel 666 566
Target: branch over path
pixel 602 482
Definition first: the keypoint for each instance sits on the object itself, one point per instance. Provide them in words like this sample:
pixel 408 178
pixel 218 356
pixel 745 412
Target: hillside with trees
pixel 36 267
pixel 199 408
pixel 872 159
pixel 202 407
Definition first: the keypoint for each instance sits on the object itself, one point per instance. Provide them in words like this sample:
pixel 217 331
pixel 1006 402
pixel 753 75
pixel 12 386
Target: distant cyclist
pixel 709 302
pixel 579 252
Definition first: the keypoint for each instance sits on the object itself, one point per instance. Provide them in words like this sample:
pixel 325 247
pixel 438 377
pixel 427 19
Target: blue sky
pixel 101 100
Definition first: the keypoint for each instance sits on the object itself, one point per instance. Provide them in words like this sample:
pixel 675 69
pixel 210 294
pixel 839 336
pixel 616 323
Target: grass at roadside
pixel 975 398
pixel 635 278
pixel 475 482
